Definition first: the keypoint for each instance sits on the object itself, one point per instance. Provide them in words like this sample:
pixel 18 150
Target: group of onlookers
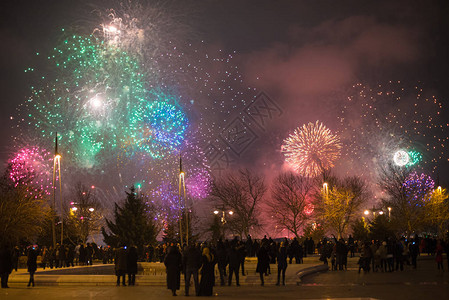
pixel 61 256
pixel 192 261
pixel 388 255
pixel 229 257
pixel 125 261
pixel 249 248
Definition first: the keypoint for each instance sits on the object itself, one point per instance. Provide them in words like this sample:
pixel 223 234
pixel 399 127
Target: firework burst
pixel 94 89
pixel 418 187
pixel 311 149
pixel 377 121
pixel 127 99
pixel 32 167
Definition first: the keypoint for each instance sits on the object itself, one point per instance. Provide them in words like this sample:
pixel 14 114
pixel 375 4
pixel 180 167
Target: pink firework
pixel 198 184
pixel 32 167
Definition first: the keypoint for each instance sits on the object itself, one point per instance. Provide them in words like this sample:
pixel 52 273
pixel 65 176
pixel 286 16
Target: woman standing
pixel 282 263
pixel 173 264
pixel 263 262
pixel 207 273
pixel 32 264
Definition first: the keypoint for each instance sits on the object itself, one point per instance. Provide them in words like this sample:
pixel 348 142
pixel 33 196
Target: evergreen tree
pixel 131 225
pixel 170 232
pixel 360 230
pixel 380 228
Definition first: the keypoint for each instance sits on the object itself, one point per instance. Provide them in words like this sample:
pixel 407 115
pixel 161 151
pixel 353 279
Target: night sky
pixel 305 55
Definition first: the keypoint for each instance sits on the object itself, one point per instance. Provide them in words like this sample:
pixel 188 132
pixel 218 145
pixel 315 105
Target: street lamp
pixel 366 212
pixel 183 200
pixel 223 216
pixel 389 212
pixel 57 171
pixel 326 190
pixel 83 214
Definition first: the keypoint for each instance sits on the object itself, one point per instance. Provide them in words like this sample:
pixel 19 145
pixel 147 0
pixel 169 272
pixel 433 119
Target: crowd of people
pixel 384 256
pixel 61 256
pixel 229 257
pixel 199 261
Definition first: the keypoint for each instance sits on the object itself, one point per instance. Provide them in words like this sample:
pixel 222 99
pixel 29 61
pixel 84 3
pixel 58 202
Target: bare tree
pixel 290 196
pixel 406 212
pixel 86 212
pixel 338 203
pixel 242 193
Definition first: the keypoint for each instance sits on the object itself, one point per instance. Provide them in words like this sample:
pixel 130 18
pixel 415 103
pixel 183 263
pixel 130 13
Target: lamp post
pixel 326 190
pixel 223 217
pixel 183 203
pixel 84 214
pixel 389 213
pixel 57 171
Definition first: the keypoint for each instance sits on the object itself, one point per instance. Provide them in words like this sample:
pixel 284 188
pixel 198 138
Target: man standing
pixel 222 260
pixel 234 263
pixel 121 265
pixel 5 265
pixel 414 251
pixel 191 262
pixel 242 255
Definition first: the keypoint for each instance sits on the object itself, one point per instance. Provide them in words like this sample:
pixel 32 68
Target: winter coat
pixel 242 252
pixel 413 249
pixel 207 277
pixel 439 254
pixel 282 258
pixel 191 259
pixel 61 253
pixel 263 260
pixel 234 258
pixel 120 261
pixel 222 257
pixel 82 255
pixel 131 263
pixel 173 264
pixel 6 264
pixel 32 260
pixel 382 251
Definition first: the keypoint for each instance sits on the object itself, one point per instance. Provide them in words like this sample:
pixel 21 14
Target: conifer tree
pixel 131 225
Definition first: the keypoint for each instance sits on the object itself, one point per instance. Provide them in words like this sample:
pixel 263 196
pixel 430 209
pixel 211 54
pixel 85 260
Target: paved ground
pixel 424 283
